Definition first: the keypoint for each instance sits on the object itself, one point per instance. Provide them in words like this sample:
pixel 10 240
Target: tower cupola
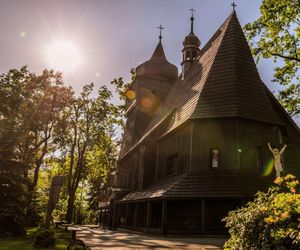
pixel 190 49
pixel 158 66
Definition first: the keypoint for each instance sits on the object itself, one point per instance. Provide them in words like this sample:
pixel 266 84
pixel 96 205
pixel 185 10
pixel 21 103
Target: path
pixel 100 239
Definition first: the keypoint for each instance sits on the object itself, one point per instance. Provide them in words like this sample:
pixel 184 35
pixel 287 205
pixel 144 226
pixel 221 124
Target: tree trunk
pixel 73 189
pixel 70 209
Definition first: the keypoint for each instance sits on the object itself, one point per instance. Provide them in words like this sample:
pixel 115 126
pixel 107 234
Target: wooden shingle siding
pixel 220 134
pixel 237 140
pixel 233 86
pixel 149 164
pixel 291 160
pixel 253 135
pixel 204 184
pixel 176 143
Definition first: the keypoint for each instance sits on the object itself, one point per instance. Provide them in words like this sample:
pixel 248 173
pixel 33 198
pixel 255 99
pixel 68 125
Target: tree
pixel 84 128
pixel 270 222
pixel 101 164
pixel 276 34
pixel 13 195
pixel 123 91
pixel 30 108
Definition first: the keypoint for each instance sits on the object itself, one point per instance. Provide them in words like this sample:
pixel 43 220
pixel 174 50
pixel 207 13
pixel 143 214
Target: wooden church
pixel 195 144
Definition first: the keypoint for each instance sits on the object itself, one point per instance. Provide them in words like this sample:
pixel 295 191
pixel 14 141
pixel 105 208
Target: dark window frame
pixel 172 165
pixel 214 156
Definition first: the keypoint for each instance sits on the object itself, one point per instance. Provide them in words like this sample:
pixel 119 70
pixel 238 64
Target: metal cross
pixel 192 10
pixel 233 5
pixel 160 31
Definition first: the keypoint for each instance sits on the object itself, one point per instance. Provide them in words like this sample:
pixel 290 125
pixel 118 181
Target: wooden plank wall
pixel 149 164
pixel 178 142
pixel 208 134
pixel 228 135
pixel 237 140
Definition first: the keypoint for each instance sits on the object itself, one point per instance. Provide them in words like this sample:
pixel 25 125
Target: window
pixel 214 158
pixel 172 165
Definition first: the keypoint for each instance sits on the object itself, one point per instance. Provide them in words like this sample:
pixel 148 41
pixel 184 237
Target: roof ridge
pixel 215 35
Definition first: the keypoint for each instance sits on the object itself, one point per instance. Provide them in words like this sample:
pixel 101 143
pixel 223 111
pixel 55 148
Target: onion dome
pixel 191 39
pixel 158 66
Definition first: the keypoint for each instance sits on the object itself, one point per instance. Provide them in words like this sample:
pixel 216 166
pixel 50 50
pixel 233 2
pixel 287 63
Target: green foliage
pixel 290 99
pixel 30 108
pixel 276 34
pixel 43 238
pixel 24 242
pixel 85 138
pixel 122 90
pixel 270 222
pixel 13 195
pixel 47 130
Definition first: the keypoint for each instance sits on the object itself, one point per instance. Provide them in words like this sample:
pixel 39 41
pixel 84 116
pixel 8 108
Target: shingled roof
pixel 223 82
pixel 202 185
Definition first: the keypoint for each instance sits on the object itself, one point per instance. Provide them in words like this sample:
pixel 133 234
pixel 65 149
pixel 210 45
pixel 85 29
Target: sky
pixel 110 36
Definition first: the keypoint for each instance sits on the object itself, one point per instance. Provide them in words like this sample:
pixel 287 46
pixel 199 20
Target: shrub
pixel 43 238
pixel 10 227
pixel 270 222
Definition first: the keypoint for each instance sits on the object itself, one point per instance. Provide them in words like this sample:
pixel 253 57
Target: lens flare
pixel 130 94
pixel 147 103
pixel 268 167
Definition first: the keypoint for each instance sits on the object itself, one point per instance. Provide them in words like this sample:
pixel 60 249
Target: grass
pixel 24 243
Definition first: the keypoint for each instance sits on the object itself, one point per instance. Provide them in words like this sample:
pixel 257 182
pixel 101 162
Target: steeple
pixel 192 20
pixel 160 32
pixel 158 66
pixel 190 49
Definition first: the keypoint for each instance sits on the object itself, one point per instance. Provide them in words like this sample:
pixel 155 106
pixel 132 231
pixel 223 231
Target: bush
pixel 10 227
pixel 43 238
pixel 270 222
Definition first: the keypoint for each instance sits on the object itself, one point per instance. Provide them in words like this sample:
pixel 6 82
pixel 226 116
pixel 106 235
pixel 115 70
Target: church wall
pixel 174 149
pixel 128 172
pixel 242 144
pixel 149 164
pixel 291 160
pixel 255 145
pixel 158 87
pixel 290 136
pixel 214 134
pixel 253 137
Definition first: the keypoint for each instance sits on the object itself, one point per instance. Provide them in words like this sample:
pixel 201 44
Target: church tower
pixel 190 49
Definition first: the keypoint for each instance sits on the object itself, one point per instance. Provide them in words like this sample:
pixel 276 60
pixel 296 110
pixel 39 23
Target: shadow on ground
pixel 98 239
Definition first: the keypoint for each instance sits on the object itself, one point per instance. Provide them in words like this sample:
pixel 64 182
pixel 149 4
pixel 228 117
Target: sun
pixel 63 56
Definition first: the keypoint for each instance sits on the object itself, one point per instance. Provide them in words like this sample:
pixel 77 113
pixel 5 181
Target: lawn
pixel 24 243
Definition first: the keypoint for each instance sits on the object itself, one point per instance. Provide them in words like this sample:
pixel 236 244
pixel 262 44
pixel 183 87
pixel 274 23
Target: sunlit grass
pixel 24 243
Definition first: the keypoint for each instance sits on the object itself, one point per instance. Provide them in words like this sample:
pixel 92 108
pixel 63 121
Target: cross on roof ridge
pixel 192 10
pixel 160 27
pixel 233 5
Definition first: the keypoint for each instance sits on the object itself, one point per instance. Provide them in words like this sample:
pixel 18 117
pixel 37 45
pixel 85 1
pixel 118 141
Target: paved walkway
pixel 100 239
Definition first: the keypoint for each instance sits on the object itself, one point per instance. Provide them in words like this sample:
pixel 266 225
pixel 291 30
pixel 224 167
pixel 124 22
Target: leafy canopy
pixel 276 34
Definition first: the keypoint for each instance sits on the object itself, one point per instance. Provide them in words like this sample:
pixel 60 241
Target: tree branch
pixel 285 57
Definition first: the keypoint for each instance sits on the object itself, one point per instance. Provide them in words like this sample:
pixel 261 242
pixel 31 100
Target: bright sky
pixel 108 37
